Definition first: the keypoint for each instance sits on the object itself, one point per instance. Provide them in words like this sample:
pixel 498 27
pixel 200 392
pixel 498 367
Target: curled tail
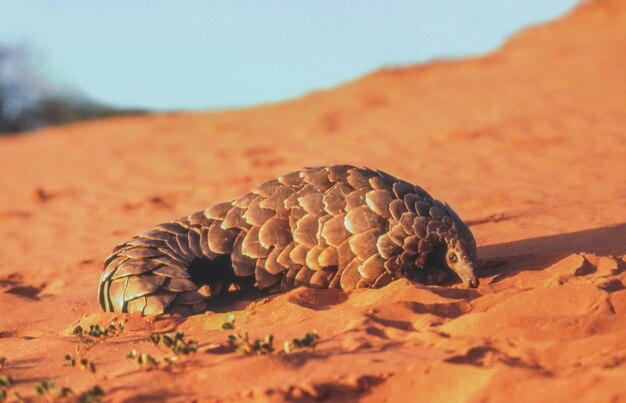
pixel 175 267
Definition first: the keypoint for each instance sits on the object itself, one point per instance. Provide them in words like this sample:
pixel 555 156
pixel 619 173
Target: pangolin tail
pixel 174 268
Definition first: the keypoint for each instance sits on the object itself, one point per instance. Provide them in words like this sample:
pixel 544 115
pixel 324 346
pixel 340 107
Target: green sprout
pixel 6 381
pixel 173 344
pixel 242 344
pixel 83 363
pixel 230 324
pixel 143 361
pixel 308 341
pixel 89 338
pixel 70 360
pixel 240 341
pixel 98 334
pixel 49 391
pixel 6 384
pixel 93 395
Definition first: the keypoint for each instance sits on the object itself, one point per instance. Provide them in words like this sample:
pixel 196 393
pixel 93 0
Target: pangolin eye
pixel 452 257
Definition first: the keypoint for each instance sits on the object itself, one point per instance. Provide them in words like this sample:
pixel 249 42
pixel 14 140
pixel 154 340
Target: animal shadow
pixel 507 259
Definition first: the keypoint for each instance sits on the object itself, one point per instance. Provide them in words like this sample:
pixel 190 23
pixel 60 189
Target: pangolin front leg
pixel 328 227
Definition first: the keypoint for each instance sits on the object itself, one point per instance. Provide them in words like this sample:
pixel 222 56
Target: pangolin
pixel 336 226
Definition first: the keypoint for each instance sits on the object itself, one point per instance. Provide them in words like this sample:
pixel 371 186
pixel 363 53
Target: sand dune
pixel 527 144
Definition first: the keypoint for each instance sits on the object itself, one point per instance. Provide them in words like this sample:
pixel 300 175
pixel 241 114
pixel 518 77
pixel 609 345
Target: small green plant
pixel 84 364
pixel 6 384
pixel 173 344
pixel 240 341
pixel 70 360
pixel 49 391
pixel 98 334
pixel 308 341
pixel 148 362
pixel 230 325
pixel 92 395
pixel 242 344
pixel 89 338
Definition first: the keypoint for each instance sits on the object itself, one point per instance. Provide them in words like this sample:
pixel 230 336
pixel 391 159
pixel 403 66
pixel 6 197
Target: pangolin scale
pixel 327 227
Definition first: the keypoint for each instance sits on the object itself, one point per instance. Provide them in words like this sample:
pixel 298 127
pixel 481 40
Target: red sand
pixel 528 146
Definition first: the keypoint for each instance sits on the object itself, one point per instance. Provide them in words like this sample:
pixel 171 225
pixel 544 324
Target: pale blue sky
pixel 198 54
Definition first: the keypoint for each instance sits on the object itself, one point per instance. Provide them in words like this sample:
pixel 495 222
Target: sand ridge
pixel 526 144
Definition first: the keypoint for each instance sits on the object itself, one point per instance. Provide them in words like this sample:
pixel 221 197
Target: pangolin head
pixel 460 255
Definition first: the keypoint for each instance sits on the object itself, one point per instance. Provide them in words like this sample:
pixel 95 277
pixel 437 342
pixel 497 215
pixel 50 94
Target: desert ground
pixel 527 144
